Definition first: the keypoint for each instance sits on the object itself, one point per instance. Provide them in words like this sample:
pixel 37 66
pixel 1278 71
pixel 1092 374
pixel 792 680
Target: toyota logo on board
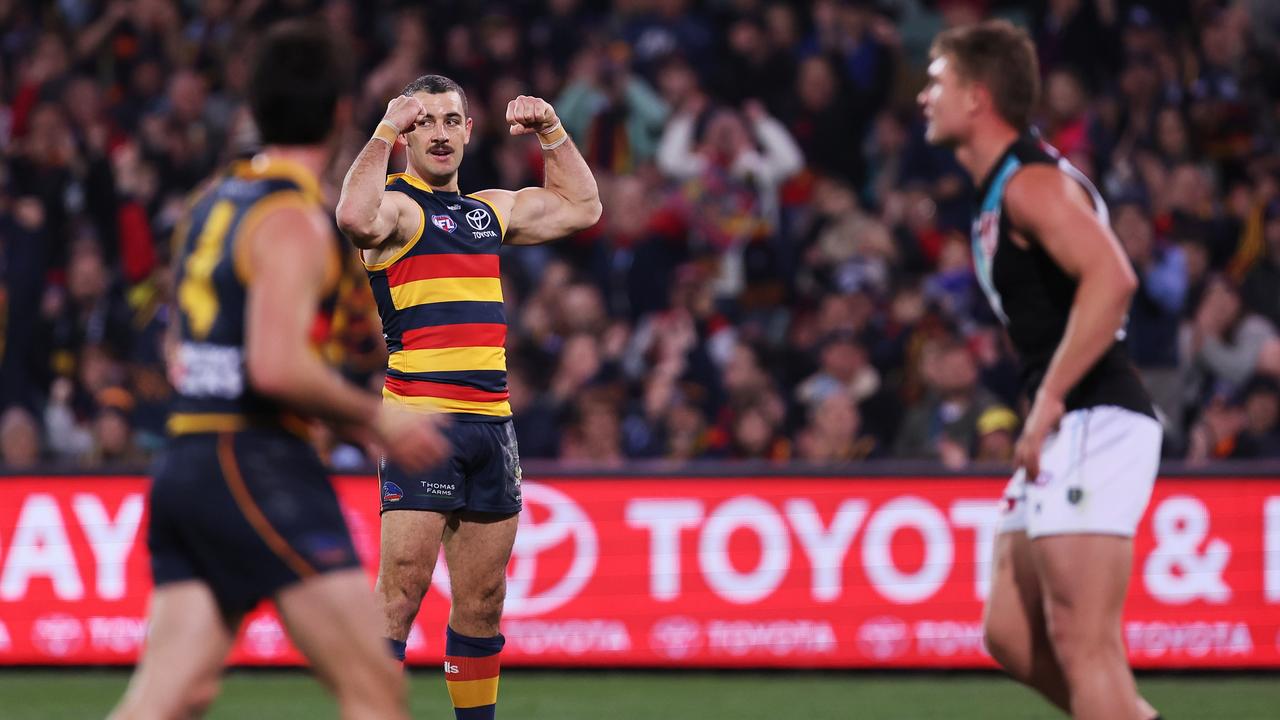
pixel 539 577
pixel 884 638
pixel 676 637
pixel 264 637
pixel 57 635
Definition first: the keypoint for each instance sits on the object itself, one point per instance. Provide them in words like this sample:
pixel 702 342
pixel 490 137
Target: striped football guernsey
pixel 440 299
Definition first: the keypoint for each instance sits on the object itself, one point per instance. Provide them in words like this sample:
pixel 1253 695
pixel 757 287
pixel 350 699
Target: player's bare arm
pixel 279 359
pixel 568 201
pixel 368 215
pixel 1044 203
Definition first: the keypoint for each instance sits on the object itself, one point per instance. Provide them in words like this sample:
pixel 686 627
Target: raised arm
pixel 567 202
pixel 1044 203
pixel 367 214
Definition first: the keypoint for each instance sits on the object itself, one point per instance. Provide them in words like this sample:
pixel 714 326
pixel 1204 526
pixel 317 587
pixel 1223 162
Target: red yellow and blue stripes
pixel 471 669
pixel 442 313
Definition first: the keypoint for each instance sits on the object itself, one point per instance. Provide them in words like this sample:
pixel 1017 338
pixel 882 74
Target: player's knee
pixel 999 642
pixel 375 688
pixel 1077 639
pixel 484 605
pixel 402 588
pixel 400 606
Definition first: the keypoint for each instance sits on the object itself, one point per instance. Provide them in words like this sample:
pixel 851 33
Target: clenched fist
pixel 527 114
pixel 405 113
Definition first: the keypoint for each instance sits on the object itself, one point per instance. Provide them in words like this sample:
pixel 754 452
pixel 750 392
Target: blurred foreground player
pixel 432 259
pixel 241 507
pixel 1088 455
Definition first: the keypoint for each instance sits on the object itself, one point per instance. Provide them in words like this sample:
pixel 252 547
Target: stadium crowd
pixel 782 271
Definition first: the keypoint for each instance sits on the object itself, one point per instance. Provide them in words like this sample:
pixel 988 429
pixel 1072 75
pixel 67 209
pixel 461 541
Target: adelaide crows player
pixel 432 260
pixel 1087 459
pixel 241 507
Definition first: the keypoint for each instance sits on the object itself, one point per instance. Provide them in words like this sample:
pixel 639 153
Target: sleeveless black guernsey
pixel 1032 295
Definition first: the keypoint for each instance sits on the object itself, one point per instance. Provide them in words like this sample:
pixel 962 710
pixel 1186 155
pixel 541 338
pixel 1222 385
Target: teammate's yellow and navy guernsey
pixel 440 298
pixel 240 500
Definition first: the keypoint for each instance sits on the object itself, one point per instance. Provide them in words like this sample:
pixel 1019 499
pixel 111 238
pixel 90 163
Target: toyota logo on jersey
pixel 554 556
pixel 478 219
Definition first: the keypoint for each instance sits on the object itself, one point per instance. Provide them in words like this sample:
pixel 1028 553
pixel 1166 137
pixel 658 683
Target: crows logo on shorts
pixel 391 492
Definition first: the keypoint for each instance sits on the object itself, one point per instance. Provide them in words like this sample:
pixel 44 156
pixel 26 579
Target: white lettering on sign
pixel 1189 639
pixel 1177 572
pixel 568 637
pixel 110 540
pixel 664 519
pixel 877 556
pixel 826 547
pixel 122 635
pixel 759 517
pixel 781 638
pixel 40 548
pixel 983 517
pixel 948 638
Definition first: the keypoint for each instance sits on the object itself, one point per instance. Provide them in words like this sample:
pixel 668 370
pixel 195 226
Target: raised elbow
pixel 591 212
pixel 357 228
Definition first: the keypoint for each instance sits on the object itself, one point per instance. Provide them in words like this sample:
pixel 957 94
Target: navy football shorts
pixel 481 474
pixel 249 513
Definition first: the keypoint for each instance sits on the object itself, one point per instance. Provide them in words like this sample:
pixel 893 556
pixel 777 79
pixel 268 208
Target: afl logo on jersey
pixel 478 219
pixel 444 222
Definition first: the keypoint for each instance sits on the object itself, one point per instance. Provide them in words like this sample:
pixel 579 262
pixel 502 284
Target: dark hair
pixel 436 84
pixel 1002 57
pixel 298 75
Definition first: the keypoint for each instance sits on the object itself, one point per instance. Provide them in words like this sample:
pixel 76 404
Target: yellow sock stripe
pixel 473 693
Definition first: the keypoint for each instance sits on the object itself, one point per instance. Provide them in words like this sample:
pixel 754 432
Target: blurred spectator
pixel 1260 437
pixel 729 165
pixel 833 434
pixel 19 439
pixel 756 434
pixel 997 434
pixel 113 442
pixel 821 117
pixel 593 435
pixel 752 67
pixel 1261 288
pixel 1162 289
pixel 615 115
pixel 1226 343
pixel 1155 311
pixel 944 425
pixel 68 437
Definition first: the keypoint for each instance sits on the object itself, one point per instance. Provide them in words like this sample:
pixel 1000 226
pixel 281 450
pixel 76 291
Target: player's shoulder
pixel 1037 190
pixel 501 202
pixel 504 199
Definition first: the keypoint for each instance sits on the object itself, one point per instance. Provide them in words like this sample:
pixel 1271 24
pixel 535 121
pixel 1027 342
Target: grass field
pixel 538 695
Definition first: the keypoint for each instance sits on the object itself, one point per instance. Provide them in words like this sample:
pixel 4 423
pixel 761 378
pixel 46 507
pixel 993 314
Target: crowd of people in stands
pixel 782 271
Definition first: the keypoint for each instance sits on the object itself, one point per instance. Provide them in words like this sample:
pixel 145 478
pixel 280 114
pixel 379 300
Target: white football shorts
pixel 1096 476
